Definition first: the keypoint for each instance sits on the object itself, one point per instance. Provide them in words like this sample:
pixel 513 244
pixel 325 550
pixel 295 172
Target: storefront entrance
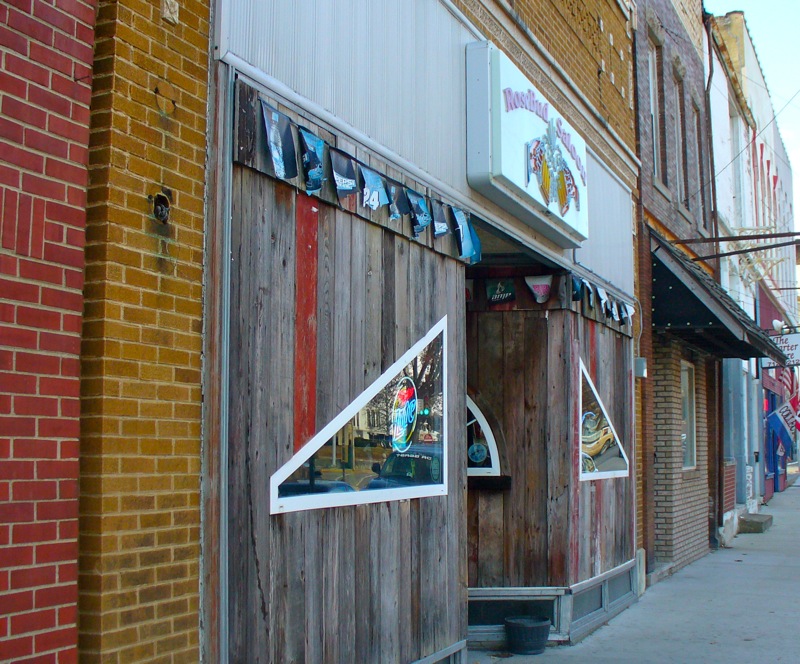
pixel 550 518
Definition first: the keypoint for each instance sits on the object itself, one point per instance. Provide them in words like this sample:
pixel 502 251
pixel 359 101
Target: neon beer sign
pixel 404 414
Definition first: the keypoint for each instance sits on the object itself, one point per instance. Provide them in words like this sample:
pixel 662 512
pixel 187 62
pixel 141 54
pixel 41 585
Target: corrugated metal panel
pixel 609 250
pixel 394 70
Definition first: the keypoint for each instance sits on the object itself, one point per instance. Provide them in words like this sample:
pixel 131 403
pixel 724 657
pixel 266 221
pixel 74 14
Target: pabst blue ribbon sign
pixel 521 152
pixel 404 414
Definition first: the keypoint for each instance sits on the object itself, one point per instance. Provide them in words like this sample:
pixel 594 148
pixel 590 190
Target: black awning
pixel 690 305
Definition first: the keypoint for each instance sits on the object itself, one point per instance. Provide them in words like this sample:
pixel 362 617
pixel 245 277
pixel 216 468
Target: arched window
pixel 482 457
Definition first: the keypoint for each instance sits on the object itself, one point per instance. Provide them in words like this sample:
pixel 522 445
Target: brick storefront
pixel 141 401
pixel 45 86
pixel 681 494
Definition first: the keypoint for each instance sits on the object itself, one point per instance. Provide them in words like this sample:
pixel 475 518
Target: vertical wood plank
pixel 560 385
pixel 349 585
pixel 305 341
pixel 317 590
pixel 490 556
pixel 363 554
pixel 358 305
pixel 457 595
pixel 326 308
pixel 389 300
pixel 240 533
pixel 342 321
pixel 373 298
pixel 517 556
pixel 407 648
pixel 473 539
pixel 537 404
pixel 335 572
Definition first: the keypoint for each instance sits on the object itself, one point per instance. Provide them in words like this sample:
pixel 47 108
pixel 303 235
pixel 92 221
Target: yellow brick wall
pixel 141 399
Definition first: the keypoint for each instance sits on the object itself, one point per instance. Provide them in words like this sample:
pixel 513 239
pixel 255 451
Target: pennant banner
pixel 280 141
pixel 439 220
pixel 419 211
pixel 344 174
pixel 374 192
pixel 476 245
pixel 398 205
pixel 461 232
pixel 577 289
pixel 313 160
pixel 401 200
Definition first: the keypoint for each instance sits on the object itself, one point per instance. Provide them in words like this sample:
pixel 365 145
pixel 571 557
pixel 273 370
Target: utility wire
pixel 747 146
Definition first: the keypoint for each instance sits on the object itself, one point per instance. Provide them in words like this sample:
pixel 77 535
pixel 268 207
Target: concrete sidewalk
pixel 740 604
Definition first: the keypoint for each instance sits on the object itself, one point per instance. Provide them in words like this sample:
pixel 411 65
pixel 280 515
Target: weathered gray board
pixel 371 583
pixel 548 529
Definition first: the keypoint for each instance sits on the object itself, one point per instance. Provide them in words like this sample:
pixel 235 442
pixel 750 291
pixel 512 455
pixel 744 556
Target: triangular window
pixel 388 444
pixel 602 455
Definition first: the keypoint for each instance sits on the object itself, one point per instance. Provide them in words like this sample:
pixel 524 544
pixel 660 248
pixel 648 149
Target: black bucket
pixel 527 635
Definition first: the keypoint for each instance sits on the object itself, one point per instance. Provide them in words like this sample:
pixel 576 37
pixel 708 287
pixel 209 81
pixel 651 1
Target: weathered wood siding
pixel 606 517
pixel 371 583
pixel 549 528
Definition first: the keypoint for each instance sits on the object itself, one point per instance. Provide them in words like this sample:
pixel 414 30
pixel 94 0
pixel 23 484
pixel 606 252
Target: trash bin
pixel 527 635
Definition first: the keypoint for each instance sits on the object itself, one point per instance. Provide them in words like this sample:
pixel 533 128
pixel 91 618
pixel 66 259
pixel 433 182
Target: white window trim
pixel 283 505
pixel 606 474
pixel 680 145
pixel 494 469
pixel 693 387
pixel 655 109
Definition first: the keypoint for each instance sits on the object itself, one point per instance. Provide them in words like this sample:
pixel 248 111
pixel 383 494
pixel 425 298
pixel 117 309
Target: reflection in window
pixel 388 444
pixel 688 430
pixel 602 454
pixel 482 457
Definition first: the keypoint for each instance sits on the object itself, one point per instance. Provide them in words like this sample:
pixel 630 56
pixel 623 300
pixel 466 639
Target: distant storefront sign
pixel 790 345
pixel 521 152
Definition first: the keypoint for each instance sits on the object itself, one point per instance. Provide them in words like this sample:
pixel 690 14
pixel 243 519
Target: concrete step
pixel 754 523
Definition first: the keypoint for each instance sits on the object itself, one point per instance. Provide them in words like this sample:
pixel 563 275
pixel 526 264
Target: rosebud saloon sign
pixel 521 153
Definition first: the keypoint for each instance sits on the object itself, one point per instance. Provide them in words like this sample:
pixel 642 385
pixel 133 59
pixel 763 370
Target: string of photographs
pixel 376 189
pixel 620 311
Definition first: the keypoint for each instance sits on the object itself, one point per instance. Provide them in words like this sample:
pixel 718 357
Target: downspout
pixel 712 175
pixel 644 386
pixel 715 510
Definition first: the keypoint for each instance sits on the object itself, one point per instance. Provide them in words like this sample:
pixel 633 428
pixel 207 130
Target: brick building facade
pixel 681 495
pixel 675 202
pixel 45 87
pixel 102 237
pixel 690 323
pixel 141 399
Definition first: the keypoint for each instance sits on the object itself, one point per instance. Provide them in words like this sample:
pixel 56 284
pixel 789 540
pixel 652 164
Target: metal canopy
pixel 690 305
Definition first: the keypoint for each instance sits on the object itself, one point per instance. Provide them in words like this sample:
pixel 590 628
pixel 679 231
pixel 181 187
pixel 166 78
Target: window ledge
pixel 489 482
pixel 660 187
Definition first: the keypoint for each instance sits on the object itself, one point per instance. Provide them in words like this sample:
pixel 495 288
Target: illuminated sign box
pixel 521 153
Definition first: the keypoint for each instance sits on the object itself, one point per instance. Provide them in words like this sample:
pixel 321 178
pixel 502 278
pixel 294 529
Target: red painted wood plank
pixel 305 350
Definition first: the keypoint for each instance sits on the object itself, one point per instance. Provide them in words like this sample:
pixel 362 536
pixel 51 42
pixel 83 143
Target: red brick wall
pixel 729 488
pixel 45 86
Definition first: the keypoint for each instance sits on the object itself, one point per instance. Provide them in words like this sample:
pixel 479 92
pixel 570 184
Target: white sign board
pixel 790 345
pixel 521 152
